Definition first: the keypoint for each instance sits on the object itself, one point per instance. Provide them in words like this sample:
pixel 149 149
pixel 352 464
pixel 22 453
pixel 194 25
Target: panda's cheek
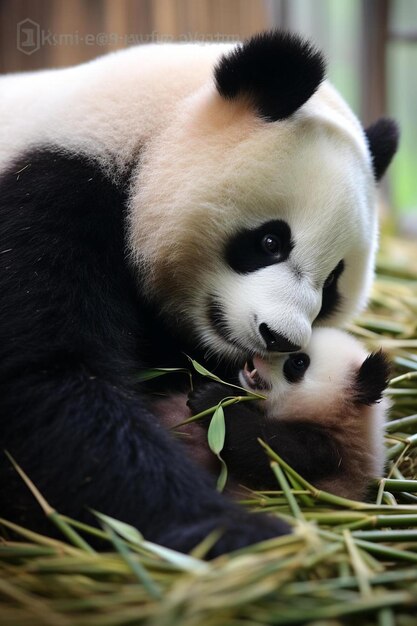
pixel 269 296
pixel 276 291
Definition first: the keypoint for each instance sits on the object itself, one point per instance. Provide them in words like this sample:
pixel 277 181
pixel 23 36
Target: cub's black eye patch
pixel 252 249
pixel 296 366
pixel 331 297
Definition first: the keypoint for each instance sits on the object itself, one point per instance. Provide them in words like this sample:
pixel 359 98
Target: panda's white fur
pixel 108 107
pixel 207 167
pixel 130 187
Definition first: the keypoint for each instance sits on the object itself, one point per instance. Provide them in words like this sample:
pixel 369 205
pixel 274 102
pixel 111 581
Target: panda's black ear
pixel 371 379
pixel 277 71
pixel 383 137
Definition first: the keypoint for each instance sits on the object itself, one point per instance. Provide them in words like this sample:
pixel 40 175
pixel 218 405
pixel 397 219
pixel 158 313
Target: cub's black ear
pixel 277 71
pixel 383 137
pixel 372 378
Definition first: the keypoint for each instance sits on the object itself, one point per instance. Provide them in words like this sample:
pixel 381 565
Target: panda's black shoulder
pixel 67 285
pixel 67 187
pixel 67 288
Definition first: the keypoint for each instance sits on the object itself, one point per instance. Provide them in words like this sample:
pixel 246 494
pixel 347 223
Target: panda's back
pixel 110 105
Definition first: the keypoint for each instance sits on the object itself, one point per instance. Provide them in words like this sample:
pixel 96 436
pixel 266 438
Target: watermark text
pixel 30 38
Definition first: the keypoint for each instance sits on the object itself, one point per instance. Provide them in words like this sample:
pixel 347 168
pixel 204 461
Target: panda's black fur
pixel 245 72
pixel 76 326
pixel 74 332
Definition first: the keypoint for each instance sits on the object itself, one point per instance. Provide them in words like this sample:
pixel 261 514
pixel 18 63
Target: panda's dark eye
pixel 271 244
pixel 251 249
pixel 296 366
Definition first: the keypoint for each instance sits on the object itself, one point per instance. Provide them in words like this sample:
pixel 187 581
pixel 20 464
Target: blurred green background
pixel 371 46
pixel 402 98
pixel 340 27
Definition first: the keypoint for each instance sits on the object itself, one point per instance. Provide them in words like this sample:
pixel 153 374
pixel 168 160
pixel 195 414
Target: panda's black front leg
pixel 307 447
pixel 71 328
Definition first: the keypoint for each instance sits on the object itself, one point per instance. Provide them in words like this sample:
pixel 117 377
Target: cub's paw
pixel 206 396
pixel 236 531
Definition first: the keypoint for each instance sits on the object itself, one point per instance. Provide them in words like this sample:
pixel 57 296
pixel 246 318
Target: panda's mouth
pixel 251 379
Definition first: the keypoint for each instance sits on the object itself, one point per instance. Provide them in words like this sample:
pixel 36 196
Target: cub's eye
pixel 271 244
pixel 296 366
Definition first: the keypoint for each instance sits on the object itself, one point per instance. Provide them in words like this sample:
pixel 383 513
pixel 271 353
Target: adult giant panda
pixel 213 200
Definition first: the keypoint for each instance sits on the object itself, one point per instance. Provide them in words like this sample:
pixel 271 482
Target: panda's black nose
pixel 275 342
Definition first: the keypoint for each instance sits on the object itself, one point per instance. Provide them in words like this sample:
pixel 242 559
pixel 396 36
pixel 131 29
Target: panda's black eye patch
pixel 329 280
pixel 331 296
pixel 296 366
pixel 252 249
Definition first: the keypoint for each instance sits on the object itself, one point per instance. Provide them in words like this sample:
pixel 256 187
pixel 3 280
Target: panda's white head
pixel 333 374
pixel 253 213
pixel 334 384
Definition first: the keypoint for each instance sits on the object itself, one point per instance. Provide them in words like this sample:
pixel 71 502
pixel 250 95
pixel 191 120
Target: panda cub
pixel 330 398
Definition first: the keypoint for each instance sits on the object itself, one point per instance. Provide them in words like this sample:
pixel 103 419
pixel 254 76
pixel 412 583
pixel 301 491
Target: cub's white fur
pixel 326 396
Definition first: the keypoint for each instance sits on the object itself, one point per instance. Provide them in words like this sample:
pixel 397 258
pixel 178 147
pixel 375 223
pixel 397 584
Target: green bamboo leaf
pixel 149 374
pixel 132 535
pixel 126 531
pixel 217 431
pixel 204 372
pixel 222 479
pixel 183 562
pixel 216 436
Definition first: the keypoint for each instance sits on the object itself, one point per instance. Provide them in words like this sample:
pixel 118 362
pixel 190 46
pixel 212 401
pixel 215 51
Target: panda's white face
pixel 250 232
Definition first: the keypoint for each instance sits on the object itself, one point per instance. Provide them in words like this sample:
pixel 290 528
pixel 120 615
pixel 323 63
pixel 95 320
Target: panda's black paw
pixel 206 396
pixel 237 531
